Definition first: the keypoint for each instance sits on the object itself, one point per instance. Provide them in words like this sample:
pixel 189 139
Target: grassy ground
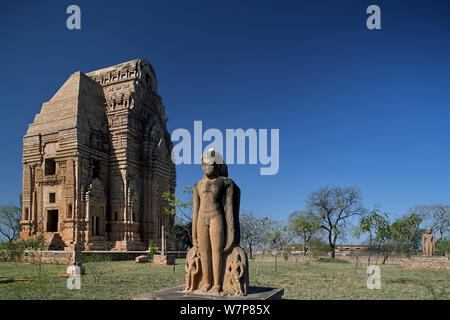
pixel 302 280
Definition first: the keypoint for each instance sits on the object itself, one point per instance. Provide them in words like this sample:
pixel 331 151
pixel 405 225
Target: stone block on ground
pixel 141 259
pixel 163 260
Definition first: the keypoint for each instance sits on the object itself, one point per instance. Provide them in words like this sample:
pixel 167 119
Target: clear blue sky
pixel 354 106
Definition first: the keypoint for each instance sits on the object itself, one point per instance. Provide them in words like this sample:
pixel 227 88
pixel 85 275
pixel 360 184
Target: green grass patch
pixel 331 260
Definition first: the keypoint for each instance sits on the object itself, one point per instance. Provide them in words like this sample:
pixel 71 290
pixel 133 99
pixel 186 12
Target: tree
pixel 407 233
pixel 304 225
pixel 334 206
pixel 265 227
pixel 436 216
pixel 443 245
pixel 278 238
pixel 252 231
pixel 377 226
pixel 10 221
pixel 182 210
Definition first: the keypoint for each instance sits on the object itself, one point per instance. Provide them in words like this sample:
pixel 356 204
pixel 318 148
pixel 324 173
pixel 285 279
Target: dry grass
pixel 301 280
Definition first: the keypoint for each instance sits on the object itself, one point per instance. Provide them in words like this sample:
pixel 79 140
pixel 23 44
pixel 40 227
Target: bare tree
pixel 334 206
pixel 10 221
pixel 278 238
pixel 436 216
pixel 252 231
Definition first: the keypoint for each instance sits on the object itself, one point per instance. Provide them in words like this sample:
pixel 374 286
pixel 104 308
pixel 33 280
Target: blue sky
pixel 353 106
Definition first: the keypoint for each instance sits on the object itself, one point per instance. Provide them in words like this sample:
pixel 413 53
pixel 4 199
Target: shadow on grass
pixel 437 294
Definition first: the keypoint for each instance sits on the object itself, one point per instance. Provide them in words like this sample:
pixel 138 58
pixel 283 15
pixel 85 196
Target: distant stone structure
pixel 96 161
pixel 216 264
pixel 428 243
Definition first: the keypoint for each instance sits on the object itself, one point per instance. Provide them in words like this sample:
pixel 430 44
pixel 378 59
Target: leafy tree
pixel 37 244
pixel 407 233
pixel 377 226
pixel 334 206
pixel 304 225
pixel 443 245
pixel 252 231
pixel 10 221
pixel 181 208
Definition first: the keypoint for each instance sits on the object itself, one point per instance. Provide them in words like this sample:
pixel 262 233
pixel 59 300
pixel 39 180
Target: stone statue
pixel 192 270
pixel 216 232
pixel 236 272
pixel 428 244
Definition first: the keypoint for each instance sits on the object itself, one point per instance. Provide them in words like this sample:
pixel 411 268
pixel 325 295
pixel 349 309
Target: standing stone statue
pixel 428 244
pixel 217 262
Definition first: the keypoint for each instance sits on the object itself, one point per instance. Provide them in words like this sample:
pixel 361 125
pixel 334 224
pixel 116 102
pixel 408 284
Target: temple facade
pixel 96 161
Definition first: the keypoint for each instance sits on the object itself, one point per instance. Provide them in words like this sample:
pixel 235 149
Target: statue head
pixel 212 163
pixel 428 230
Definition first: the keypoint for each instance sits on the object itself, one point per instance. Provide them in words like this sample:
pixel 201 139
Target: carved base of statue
pixel 234 273
pixel 235 279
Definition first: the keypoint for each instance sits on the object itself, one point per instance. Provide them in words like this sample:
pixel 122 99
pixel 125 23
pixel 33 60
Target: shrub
pixel 152 250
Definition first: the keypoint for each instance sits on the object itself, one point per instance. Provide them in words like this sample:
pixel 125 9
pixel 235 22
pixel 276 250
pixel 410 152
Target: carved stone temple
pixel 96 161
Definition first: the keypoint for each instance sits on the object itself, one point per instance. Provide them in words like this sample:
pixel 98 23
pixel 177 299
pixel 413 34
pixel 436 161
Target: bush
pixel 12 251
pixel 97 264
pixel 152 250
pixel 443 246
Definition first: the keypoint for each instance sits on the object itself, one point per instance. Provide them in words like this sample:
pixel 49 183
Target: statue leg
pixel 205 253
pixel 217 241
pixel 188 282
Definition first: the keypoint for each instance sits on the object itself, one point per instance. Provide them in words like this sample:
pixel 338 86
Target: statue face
pixel 429 230
pixel 211 163
pixel 210 170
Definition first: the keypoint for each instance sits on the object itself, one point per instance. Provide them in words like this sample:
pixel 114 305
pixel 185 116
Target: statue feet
pixel 215 290
pixel 205 288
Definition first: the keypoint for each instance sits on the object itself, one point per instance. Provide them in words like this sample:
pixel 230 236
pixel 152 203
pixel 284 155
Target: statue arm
pixel 196 200
pixel 229 209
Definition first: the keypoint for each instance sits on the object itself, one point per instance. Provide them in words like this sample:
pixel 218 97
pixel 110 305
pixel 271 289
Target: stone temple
pixel 96 161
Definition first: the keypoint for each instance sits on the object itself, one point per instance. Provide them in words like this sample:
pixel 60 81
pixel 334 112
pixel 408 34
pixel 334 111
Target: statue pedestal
pixel 176 293
pixel 421 262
